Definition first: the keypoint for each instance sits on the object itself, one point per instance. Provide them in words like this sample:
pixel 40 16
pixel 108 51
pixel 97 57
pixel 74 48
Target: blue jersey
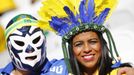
pixel 54 67
pixel 10 67
pixel 58 67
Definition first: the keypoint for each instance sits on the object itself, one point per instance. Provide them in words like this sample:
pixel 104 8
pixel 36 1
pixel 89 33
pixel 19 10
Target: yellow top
pixel 114 72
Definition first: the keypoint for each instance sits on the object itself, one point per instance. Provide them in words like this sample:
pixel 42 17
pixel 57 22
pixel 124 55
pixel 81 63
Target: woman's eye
pixel 20 43
pixel 78 44
pixel 36 40
pixel 93 42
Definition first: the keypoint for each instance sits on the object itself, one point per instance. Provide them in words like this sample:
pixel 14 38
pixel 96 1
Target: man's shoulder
pixel 7 69
pixel 1 69
pixel 58 67
pixel 57 62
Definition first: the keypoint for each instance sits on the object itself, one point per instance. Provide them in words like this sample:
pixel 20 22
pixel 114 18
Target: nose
pixel 87 48
pixel 29 49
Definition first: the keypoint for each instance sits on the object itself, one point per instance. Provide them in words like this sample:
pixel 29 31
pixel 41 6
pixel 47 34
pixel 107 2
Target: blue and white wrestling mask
pixel 26 43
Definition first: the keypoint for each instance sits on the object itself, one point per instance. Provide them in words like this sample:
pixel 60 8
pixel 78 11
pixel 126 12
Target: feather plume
pixel 100 5
pixel 74 12
pixel 55 8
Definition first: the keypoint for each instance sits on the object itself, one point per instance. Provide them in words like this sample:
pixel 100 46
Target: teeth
pixel 90 56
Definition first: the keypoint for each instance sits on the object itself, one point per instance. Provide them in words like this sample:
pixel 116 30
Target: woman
pixel 80 23
pixel 91 52
pixel 27 47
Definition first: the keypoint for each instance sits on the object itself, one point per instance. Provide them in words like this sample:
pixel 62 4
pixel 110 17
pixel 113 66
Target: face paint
pixel 27 47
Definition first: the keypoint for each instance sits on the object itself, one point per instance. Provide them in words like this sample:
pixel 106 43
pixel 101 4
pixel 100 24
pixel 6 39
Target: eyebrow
pixel 94 39
pixel 89 39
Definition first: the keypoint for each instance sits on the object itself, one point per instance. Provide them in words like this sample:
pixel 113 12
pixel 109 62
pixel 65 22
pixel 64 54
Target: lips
pixel 31 57
pixel 88 57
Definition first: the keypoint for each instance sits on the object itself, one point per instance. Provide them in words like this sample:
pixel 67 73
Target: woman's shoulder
pixel 114 72
pixel 117 66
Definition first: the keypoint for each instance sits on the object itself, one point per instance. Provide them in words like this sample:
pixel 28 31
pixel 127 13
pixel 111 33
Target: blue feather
pixel 100 20
pixel 65 19
pixel 64 29
pixel 72 17
pixel 82 10
pixel 53 25
pixel 56 20
pixel 59 25
pixel 86 15
pixel 90 11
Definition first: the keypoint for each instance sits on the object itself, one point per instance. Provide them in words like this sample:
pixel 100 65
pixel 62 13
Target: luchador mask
pixel 26 47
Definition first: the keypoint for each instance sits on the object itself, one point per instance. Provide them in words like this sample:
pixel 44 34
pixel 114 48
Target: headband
pixel 19 24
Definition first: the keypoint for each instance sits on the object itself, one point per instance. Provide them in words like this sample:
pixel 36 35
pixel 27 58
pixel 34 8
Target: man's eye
pixel 20 43
pixel 36 40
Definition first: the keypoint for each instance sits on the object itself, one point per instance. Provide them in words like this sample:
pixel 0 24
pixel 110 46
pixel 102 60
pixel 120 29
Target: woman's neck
pixel 89 71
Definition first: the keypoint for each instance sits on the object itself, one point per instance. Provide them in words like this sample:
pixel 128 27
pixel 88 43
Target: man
pixel 27 47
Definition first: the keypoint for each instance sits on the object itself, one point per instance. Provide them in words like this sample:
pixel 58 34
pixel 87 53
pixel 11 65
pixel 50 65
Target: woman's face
pixel 87 48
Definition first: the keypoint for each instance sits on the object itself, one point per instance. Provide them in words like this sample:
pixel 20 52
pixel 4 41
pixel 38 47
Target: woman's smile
pixel 88 58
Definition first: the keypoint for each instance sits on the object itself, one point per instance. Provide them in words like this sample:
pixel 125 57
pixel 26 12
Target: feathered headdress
pixel 69 17
pixel 63 15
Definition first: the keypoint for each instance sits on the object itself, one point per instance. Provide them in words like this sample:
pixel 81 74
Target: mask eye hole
pixel 36 40
pixel 20 43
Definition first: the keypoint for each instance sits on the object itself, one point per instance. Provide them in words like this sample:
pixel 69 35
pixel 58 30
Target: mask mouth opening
pixel 31 57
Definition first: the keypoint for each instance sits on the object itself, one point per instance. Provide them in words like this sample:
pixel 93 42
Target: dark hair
pixel 105 61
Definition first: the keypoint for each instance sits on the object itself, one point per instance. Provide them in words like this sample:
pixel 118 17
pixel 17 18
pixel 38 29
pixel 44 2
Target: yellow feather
pixel 75 5
pixel 44 25
pixel 100 5
pixel 55 8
